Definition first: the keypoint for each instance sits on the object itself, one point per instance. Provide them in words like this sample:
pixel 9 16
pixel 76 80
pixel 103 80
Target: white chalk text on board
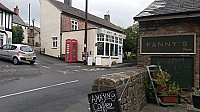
pixel 105 101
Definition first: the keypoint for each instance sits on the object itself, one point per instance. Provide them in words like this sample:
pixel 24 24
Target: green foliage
pixel 173 89
pixel 17 35
pixel 196 92
pixel 150 92
pixel 163 78
pixel 131 41
pixel 114 62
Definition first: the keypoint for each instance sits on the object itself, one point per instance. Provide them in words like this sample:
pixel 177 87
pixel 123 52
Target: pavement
pixel 156 108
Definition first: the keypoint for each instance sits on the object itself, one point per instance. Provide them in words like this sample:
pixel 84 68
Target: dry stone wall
pixel 130 83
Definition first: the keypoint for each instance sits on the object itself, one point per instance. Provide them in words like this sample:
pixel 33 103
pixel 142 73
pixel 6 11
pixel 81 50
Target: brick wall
pixel 134 97
pixel 171 27
pixel 66 23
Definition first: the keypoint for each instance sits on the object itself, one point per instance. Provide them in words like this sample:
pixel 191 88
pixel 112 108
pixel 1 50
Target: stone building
pixel 170 37
pixel 61 21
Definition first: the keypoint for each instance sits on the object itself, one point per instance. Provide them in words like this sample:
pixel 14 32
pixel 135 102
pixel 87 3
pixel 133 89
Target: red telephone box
pixel 71 50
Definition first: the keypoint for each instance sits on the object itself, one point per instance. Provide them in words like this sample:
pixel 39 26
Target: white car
pixel 18 53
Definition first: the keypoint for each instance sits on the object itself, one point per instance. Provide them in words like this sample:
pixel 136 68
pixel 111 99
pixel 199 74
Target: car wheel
pixel 32 62
pixel 15 61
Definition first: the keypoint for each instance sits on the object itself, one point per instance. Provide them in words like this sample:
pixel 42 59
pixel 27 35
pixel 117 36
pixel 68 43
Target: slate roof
pixel 81 14
pixel 5 8
pixel 18 20
pixel 170 7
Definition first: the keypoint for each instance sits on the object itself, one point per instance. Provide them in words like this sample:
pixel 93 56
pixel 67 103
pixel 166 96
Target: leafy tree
pixel 131 41
pixel 18 35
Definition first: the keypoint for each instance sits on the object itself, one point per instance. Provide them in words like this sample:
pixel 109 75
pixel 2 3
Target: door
pixel 4 51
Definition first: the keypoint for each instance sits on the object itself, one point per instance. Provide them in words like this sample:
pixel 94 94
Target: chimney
pixel 16 10
pixel 107 17
pixel 68 2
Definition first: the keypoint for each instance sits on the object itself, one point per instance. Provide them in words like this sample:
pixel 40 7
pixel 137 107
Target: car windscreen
pixel 26 49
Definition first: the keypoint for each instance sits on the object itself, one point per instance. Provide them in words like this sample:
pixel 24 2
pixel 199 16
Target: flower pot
pixel 155 75
pixel 160 87
pixel 168 98
pixel 196 100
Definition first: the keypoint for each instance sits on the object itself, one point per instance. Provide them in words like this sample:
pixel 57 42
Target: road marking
pixel 46 67
pixel 106 75
pixel 37 89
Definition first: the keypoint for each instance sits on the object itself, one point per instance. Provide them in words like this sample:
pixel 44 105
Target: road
pixel 51 85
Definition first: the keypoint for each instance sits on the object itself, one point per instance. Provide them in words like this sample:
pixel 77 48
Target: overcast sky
pixel 121 11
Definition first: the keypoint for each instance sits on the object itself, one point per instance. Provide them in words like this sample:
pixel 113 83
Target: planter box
pixel 196 100
pixel 168 99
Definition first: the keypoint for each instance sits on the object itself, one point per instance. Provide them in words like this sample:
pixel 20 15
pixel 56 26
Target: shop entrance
pixel 180 68
pixel 71 50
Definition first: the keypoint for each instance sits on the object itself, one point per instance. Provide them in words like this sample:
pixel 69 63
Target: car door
pixel 12 51
pixel 4 51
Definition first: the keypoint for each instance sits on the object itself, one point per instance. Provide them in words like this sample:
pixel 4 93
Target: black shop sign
pixel 170 44
pixel 105 101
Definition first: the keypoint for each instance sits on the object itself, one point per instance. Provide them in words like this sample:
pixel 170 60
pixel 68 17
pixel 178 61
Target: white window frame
pixel 110 40
pixel 54 40
pixel 74 25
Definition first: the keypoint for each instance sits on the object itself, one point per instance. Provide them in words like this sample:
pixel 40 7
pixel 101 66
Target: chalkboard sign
pixel 175 44
pixel 180 68
pixel 105 101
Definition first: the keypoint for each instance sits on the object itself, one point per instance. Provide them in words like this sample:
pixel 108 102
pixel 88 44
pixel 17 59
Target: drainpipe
pixel 60 35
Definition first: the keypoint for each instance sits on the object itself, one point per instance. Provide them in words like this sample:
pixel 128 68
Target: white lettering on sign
pixel 103 102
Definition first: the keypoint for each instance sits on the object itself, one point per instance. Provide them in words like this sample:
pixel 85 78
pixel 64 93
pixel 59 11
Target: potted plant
pixel 170 94
pixel 156 72
pixel 162 80
pixel 196 98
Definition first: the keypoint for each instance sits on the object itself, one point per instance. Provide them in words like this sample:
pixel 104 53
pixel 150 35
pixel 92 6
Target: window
pixel 54 44
pixel 13 47
pixel 120 40
pixel 74 25
pixel 1 18
pixel 116 50
pixel 109 45
pixel 100 48
pixel 1 40
pixel 6 47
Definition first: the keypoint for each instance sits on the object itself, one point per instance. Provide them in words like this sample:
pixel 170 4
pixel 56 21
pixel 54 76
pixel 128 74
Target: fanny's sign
pixel 170 44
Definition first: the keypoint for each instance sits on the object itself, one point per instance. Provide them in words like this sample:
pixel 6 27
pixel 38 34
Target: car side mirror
pixel 1 47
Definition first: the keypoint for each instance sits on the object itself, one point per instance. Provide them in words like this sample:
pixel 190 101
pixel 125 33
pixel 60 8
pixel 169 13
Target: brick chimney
pixel 107 17
pixel 16 10
pixel 68 2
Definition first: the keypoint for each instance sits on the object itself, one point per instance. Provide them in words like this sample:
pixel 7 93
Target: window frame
pixel 74 25
pixel 111 44
pixel 55 40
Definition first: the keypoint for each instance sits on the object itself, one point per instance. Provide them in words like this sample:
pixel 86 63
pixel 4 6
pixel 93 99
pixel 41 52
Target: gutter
pixel 168 16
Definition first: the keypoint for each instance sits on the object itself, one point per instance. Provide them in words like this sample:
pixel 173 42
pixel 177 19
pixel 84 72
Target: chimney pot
pixel 16 10
pixel 68 2
pixel 107 17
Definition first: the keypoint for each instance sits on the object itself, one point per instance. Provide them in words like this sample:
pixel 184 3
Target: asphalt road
pixel 51 85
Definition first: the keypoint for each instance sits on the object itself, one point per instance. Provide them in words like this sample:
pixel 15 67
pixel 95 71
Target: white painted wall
pixel 50 18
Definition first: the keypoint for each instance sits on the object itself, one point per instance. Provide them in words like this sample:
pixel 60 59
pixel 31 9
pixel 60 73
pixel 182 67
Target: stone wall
pixel 171 27
pixel 134 98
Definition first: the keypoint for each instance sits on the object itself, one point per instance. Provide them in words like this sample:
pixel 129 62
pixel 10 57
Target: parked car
pixel 18 53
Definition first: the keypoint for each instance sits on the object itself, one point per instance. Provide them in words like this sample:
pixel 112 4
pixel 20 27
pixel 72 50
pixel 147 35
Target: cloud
pixel 121 11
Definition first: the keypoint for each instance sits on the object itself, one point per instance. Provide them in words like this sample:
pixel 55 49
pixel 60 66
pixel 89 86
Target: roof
pixel 170 7
pixel 81 14
pixel 5 8
pixel 36 28
pixel 18 20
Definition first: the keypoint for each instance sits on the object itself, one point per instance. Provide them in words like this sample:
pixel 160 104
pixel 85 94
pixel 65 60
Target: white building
pixel 17 21
pixel 6 17
pixel 60 21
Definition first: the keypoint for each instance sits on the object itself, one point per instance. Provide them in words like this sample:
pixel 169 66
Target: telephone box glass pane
pixel 68 51
pixel 74 51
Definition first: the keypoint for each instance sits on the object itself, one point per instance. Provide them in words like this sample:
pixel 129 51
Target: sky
pixel 121 11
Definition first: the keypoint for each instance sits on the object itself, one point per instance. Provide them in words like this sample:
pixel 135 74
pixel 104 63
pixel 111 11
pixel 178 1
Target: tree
pixel 18 35
pixel 131 41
